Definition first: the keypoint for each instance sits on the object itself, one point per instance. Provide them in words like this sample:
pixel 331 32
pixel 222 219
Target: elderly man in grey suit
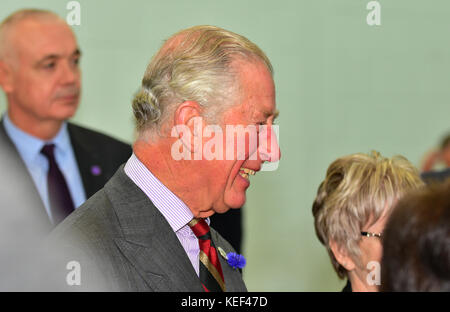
pixel 148 228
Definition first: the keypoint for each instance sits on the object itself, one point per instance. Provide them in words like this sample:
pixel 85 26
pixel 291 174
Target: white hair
pixel 196 64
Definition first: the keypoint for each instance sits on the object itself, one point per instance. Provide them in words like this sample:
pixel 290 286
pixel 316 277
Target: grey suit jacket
pixel 125 244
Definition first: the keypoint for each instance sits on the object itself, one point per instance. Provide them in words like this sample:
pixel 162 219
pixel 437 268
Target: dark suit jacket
pixel 90 148
pixel 23 219
pixel 124 243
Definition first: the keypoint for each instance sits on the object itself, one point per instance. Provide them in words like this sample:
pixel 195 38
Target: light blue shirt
pixel 29 148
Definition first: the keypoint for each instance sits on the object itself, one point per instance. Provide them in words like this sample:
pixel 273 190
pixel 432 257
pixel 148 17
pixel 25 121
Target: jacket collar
pixel 147 240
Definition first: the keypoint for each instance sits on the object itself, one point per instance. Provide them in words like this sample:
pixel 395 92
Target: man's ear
pixel 341 255
pixel 5 77
pixel 188 118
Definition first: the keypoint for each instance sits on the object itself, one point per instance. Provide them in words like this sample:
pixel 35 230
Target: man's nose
pixel 69 73
pixel 268 148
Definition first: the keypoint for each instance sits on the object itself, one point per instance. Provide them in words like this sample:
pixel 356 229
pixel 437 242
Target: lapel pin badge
pixel 96 170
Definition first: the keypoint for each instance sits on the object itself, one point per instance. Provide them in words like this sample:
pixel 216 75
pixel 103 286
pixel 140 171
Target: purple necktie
pixel 61 204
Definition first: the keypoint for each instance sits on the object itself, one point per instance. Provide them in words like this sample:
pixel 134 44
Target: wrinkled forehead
pixel 257 86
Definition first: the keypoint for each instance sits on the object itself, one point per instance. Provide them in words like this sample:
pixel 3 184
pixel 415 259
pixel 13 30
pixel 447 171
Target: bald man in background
pixel 48 165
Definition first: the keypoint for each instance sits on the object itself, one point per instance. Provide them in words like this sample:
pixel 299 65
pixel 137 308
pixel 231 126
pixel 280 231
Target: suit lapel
pixel 148 241
pixel 233 277
pixel 88 160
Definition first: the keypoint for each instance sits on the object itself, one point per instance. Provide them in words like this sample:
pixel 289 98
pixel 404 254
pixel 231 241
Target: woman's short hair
pixel 416 245
pixel 358 189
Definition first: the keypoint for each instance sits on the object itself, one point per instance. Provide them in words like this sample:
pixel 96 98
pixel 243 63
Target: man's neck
pixel 42 129
pixel 178 176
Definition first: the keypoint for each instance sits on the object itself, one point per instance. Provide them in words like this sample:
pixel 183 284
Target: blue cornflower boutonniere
pixel 235 260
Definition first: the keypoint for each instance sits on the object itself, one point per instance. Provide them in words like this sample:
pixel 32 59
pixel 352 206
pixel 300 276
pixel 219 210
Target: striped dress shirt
pixel 171 207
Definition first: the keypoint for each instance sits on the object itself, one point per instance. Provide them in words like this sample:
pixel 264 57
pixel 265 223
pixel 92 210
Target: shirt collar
pixel 30 146
pixel 174 210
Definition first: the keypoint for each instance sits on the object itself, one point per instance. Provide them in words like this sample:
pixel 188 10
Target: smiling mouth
pixel 245 173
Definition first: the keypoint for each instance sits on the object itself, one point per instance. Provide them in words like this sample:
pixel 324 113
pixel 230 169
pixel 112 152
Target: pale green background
pixel 342 87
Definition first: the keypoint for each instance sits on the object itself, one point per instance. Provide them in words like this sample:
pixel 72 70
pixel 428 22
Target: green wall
pixel 342 87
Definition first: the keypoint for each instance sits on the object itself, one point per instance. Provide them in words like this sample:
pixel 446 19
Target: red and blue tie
pixel 211 275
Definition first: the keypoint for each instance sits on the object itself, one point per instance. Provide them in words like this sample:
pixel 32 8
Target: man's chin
pixel 235 202
pixel 205 214
pixel 65 114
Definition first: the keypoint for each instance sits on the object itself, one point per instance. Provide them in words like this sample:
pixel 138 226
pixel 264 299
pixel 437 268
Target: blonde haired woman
pixel 352 207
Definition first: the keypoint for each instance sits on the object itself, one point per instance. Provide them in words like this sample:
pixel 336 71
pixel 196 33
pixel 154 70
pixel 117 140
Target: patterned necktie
pixel 61 204
pixel 211 275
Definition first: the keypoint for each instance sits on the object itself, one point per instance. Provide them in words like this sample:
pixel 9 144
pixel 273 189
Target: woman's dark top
pixel 348 287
